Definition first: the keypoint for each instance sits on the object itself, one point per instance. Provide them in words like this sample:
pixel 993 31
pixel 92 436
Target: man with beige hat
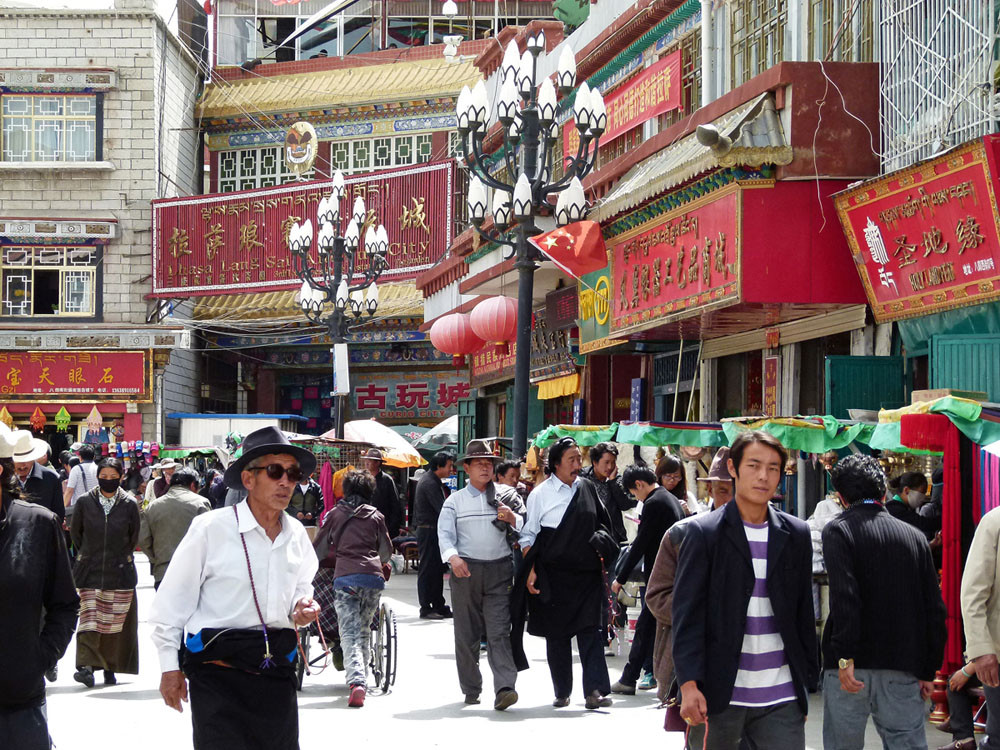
pixel 38 483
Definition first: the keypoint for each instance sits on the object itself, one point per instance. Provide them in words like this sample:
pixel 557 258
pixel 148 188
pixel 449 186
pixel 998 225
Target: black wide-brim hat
pixel 260 443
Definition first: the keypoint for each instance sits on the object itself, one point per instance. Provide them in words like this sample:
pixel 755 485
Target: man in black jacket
pixel 38 484
pixel 35 573
pixel 660 511
pixel 385 498
pixel 603 472
pixel 428 498
pixel 886 632
pixel 744 646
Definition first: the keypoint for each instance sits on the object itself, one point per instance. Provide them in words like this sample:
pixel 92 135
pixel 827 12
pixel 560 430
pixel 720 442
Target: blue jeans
pixel 892 699
pixel 356 607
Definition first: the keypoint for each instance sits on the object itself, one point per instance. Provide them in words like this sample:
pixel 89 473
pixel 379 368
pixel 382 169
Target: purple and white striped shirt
pixel 763 677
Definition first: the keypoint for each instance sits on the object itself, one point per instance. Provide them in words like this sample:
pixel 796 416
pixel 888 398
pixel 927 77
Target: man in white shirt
pixel 238 585
pixel 472 535
pixel 82 478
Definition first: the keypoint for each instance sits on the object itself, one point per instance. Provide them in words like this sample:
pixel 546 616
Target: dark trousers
pixel 25 729
pixel 640 656
pixel 960 708
pixel 992 741
pixel 430 575
pixel 236 710
pixel 782 726
pixel 559 654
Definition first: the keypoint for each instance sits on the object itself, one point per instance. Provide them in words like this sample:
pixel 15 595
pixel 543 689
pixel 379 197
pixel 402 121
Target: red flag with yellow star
pixel 576 248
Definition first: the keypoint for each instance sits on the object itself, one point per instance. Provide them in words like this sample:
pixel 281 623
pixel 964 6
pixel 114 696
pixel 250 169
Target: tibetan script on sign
pixel 75 375
pixel 238 242
pixel 677 264
pixel 925 239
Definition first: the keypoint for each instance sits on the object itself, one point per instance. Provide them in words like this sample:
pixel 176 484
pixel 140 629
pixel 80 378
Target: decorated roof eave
pixel 326 116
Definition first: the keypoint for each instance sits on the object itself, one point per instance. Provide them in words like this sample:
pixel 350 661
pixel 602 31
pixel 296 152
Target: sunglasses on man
pixel 277 471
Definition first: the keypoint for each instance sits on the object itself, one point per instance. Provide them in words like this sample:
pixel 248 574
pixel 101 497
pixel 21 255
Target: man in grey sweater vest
pixel 473 534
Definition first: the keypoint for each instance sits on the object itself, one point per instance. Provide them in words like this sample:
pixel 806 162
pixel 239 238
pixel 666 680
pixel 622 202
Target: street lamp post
pixel 527 113
pixel 333 290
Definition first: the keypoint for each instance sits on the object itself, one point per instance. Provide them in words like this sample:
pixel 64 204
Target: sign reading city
pixel 407 396
pixel 677 264
pixel 76 375
pixel 657 89
pixel 238 242
pixel 925 239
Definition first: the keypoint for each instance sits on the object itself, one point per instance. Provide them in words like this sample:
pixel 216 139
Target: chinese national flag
pixel 577 248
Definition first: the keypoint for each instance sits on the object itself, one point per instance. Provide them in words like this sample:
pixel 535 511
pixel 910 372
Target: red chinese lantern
pixel 495 320
pixel 453 334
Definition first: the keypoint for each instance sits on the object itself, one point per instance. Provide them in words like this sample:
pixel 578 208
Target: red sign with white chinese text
pixel 238 242
pixel 678 264
pixel 657 89
pixel 76 375
pixel 407 396
pixel 926 239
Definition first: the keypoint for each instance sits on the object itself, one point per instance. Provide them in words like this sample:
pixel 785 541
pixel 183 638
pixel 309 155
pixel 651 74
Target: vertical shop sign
pixel 772 378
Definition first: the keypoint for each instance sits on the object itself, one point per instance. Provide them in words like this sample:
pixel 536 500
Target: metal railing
pixel 937 86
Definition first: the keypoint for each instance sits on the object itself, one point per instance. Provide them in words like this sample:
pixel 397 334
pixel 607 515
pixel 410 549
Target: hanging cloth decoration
pixel 6 418
pixel 96 432
pixel 63 419
pixel 37 420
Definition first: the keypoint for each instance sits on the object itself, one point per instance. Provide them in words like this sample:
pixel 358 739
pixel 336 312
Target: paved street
pixel 426 691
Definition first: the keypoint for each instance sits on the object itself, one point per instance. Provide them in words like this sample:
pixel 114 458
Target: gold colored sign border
pixel 694 310
pixel 913 306
pixel 123 398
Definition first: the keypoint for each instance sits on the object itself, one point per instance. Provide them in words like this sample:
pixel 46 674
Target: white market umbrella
pixel 395 448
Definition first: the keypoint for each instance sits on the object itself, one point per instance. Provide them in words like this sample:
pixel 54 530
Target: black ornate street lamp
pixel 528 116
pixel 334 292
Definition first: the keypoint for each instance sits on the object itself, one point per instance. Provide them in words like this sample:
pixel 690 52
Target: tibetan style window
pixel 42 281
pixel 757 36
pixel 252 168
pixel 50 127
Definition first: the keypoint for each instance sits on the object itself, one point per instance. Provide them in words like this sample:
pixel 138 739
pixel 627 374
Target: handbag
pixel 673 722
pixel 322 541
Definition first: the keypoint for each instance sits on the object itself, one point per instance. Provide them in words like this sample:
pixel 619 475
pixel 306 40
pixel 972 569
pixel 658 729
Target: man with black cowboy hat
pixel 473 535
pixel 385 498
pixel 238 585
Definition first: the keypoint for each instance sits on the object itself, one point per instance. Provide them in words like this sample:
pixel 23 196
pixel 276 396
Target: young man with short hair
pixel 744 631
pixel 885 636
pixel 603 472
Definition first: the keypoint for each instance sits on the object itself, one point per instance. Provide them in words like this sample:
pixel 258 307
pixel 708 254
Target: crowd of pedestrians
pixel 726 631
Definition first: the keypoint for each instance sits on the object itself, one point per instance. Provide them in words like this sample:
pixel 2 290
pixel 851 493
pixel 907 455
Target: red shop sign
pixel 678 264
pixel 238 242
pixel 925 239
pixel 76 375
pixel 657 89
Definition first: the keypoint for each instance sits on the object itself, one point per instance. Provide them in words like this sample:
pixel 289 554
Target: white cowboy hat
pixel 27 448
pixel 168 463
pixel 6 441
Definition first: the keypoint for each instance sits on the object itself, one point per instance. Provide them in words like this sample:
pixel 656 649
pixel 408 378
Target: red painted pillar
pixel 133 426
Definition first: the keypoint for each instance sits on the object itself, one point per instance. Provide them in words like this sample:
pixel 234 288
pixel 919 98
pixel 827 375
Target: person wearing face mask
pixel 907 493
pixel 105 531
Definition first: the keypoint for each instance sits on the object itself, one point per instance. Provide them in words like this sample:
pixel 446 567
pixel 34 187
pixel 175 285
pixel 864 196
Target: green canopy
pixel 585 435
pixel 690 434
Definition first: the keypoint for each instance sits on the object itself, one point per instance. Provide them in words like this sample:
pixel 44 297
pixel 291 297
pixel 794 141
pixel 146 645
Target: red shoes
pixel 357 699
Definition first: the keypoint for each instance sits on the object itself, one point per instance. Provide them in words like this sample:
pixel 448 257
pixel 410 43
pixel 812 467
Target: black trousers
pixel 430 575
pixel 24 729
pixel 559 654
pixel 641 652
pixel 960 707
pixel 236 710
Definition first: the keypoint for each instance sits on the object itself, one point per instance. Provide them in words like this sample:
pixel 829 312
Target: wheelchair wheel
pixel 376 661
pixel 390 646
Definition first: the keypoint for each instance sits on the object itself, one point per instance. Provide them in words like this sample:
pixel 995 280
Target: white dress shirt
pixel 206 584
pixel 547 505
pixel 465 527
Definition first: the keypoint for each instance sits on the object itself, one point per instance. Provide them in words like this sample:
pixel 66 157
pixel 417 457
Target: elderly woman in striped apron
pixel 105 530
